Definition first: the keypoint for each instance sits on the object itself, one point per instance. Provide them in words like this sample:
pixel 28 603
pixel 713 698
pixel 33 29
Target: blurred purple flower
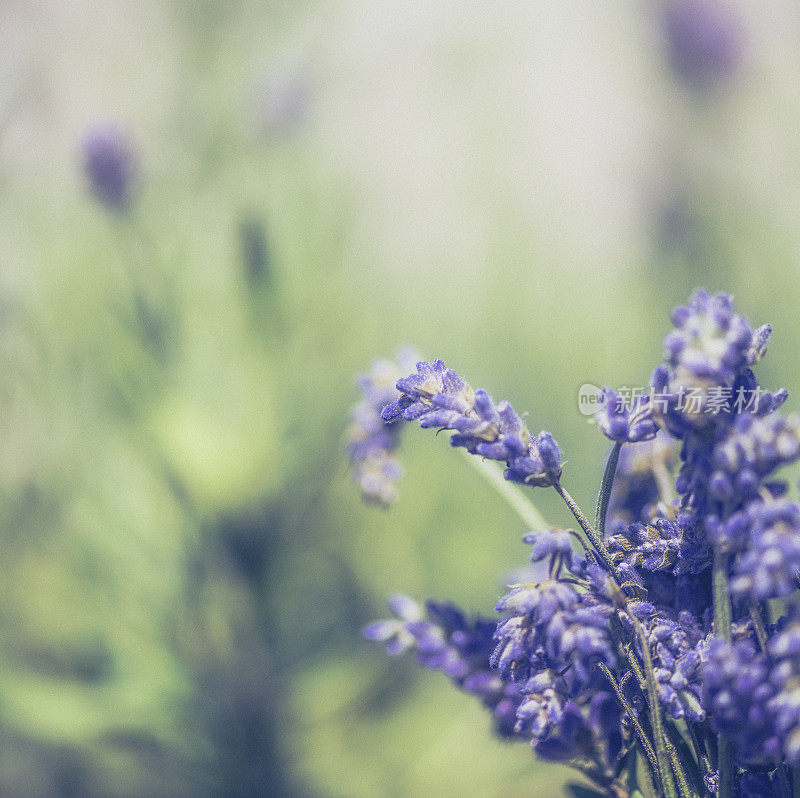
pixel 110 164
pixel 704 42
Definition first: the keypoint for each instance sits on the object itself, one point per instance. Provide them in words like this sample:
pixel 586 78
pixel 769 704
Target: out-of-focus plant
pixel 704 41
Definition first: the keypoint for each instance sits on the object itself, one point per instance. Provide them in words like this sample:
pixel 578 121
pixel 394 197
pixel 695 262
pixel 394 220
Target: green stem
pixel 640 782
pixel 722 628
pixel 699 750
pixel 676 746
pixel 524 508
pixel 605 490
pixel 599 545
pixel 722 597
pixel 725 766
pixel 662 754
pixel 758 625
pixel 644 741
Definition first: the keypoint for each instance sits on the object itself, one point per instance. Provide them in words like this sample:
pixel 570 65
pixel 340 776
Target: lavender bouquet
pixel 660 652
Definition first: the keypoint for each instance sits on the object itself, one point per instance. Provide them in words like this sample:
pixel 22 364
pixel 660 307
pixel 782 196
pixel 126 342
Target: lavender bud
pixel 110 165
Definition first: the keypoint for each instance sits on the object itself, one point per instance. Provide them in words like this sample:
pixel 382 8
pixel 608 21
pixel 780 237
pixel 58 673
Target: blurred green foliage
pixel 186 567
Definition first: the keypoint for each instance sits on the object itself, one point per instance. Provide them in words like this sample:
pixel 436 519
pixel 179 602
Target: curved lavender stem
pixel 521 505
pixel 583 522
pixel 641 735
pixel 605 490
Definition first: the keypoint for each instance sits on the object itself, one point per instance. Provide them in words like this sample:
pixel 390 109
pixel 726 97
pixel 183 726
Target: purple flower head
pixel 710 347
pixel 622 423
pixel 737 692
pixel 752 450
pixel 679 688
pixel 394 632
pixel 729 535
pixel 110 164
pixel 654 547
pixel 568 740
pixel 551 626
pixel 770 565
pixel 372 442
pixel 676 642
pixel 555 544
pixel 446 640
pixel 584 728
pixel 784 648
pixel 563 728
pixel 703 40
pixel 673 546
pixel 440 399
pixel 542 706
pixel 710 341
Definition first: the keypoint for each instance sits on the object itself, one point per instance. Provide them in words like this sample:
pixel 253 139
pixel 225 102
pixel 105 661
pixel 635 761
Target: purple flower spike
pixel 703 41
pixel 625 424
pixel 439 399
pixel 110 164
pixel 371 441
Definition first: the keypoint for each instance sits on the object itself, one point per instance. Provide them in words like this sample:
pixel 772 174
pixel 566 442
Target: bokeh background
pixel 524 190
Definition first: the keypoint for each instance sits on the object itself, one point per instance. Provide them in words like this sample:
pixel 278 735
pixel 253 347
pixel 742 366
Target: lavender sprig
pixel 437 397
pixel 110 164
pixel 371 442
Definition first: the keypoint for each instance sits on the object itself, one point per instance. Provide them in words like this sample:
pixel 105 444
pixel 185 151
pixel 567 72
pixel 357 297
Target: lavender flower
pixel 703 41
pixel 439 398
pixel 676 646
pixel 784 648
pixel 394 632
pixel 110 165
pixel 371 442
pixel 446 640
pixel 623 424
pixel 754 697
pixel 770 565
pixel 589 730
pixel 542 706
pixel 679 688
pixel 557 545
pixel 654 547
pixel 736 693
pixel 709 349
pixel 551 626
pixel 752 450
